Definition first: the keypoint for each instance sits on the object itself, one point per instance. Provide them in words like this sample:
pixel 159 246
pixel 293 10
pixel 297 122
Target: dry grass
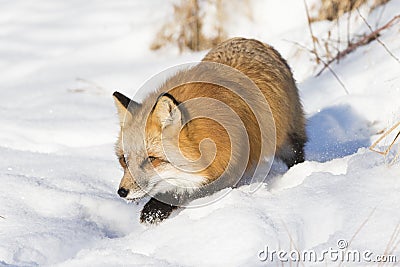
pixel 330 47
pixel 186 29
pixel 362 40
pixel 393 243
pixel 358 230
pixel 386 152
pixel 292 245
pixel 333 9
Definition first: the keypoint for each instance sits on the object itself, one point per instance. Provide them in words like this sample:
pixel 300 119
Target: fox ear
pixel 125 106
pixel 167 111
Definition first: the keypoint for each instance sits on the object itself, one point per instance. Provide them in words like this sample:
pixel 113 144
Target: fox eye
pixel 151 158
pixel 155 161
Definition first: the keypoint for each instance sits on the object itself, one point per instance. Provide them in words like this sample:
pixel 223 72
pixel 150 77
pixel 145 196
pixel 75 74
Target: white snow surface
pixel 60 61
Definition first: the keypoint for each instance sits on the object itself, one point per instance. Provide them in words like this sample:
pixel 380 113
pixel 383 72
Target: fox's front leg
pixel 156 211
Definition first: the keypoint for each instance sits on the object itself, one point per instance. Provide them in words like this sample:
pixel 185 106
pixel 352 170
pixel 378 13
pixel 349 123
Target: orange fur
pixel 267 69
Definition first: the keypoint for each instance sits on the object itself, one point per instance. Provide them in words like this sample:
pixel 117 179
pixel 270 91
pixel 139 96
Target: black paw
pixel 155 211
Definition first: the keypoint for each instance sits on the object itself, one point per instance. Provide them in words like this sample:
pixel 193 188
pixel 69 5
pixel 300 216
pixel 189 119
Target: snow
pixel 60 63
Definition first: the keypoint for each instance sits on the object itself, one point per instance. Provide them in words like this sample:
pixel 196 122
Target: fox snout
pixel 131 193
pixel 130 189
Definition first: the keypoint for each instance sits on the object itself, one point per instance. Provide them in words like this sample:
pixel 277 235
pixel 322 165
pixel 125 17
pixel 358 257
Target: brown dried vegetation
pixel 332 9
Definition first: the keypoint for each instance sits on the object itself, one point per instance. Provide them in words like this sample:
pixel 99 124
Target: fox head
pixel 149 148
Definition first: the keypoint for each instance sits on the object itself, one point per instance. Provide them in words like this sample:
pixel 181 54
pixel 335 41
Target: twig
pixel 362 225
pixel 358 231
pixel 313 38
pixel 338 34
pixel 348 27
pixel 387 150
pixel 323 62
pixel 366 39
pixel 391 245
pixel 2 217
pixel 380 16
pixel 395 235
pixel 377 37
pixel 292 241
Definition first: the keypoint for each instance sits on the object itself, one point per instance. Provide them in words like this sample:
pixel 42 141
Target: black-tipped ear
pixel 125 107
pixel 167 111
pixel 124 100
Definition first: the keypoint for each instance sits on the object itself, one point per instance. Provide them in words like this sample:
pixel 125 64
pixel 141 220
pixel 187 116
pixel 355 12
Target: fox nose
pixel 122 192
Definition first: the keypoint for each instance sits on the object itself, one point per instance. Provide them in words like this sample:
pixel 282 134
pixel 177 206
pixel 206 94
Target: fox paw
pixel 155 212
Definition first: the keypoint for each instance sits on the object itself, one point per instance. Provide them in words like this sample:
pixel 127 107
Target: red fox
pixel 164 146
